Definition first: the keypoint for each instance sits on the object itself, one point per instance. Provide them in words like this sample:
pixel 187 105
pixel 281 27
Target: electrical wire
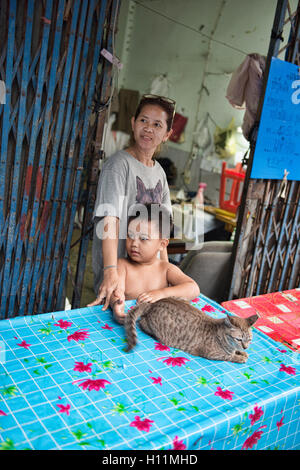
pixel 191 28
pixel 114 82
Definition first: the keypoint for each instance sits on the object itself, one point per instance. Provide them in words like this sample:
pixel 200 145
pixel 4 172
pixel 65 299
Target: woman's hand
pixel 109 284
pixel 151 296
pixel 118 310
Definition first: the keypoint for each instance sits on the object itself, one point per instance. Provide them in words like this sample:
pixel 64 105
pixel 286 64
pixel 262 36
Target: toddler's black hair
pixel 153 212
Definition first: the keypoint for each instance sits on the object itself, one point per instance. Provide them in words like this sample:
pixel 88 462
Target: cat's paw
pixel 240 356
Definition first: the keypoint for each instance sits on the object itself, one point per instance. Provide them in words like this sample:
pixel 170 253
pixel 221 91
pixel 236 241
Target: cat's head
pixel 148 195
pixel 240 329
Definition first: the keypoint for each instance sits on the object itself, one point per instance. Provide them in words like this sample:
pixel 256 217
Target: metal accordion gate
pixel 266 251
pixel 54 77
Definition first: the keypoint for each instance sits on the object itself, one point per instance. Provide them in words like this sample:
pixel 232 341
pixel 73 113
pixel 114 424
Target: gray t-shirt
pixel 123 182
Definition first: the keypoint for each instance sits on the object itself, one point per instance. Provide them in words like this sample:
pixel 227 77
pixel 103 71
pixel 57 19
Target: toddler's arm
pixel 180 285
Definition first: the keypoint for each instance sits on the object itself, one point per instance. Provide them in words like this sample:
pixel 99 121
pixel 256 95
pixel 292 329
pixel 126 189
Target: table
pixel 228 218
pixel 66 383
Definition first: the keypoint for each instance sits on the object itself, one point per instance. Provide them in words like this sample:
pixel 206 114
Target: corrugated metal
pixel 49 59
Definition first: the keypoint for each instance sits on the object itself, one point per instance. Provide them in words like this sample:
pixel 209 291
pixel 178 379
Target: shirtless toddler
pixel 143 276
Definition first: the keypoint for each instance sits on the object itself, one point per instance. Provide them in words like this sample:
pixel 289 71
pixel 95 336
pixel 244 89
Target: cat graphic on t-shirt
pixel 148 195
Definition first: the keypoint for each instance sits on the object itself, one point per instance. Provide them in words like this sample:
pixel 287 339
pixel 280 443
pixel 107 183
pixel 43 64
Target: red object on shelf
pixel 279 315
pixel 178 127
pixel 237 176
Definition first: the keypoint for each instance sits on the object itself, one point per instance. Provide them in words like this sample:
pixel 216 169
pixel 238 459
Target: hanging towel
pixel 128 102
pixel 114 140
pixel 244 89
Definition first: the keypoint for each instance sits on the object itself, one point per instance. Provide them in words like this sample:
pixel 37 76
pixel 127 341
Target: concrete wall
pixel 198 69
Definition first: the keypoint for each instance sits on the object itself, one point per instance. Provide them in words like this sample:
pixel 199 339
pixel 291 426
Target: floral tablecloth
pixel 66 383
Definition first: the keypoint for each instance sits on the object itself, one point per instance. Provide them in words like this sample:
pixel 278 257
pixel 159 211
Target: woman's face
pixel 150 127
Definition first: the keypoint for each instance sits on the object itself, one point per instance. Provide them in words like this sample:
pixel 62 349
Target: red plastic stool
pixel 237 176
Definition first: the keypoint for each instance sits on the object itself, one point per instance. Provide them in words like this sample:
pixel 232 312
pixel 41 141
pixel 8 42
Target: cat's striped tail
pixel 130 324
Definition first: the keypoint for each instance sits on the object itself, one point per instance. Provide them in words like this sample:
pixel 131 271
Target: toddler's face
pixel 143 241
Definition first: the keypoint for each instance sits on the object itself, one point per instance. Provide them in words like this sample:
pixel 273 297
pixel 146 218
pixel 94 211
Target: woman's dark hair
pixel 169 168
pixel 165 105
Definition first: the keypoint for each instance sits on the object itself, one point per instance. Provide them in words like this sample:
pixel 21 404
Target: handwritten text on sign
pixel 278 141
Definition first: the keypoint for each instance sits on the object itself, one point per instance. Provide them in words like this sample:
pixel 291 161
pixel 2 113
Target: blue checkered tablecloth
pixel 66 383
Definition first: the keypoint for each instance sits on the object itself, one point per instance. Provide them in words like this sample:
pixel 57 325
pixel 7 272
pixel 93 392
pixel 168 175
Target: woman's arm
pixel 164 255
pixel 117 300
pixel 110 258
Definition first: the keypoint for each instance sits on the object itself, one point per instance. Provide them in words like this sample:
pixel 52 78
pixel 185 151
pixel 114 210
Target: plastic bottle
pixel 199 198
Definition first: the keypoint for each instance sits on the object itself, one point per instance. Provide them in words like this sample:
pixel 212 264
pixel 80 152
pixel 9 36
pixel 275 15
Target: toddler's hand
pixel 151 296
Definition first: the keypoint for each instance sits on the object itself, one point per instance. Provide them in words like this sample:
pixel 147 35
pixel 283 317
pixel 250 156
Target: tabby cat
pixel 177 324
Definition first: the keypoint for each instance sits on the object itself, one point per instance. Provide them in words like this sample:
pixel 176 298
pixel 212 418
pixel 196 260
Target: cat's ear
pixel 158 191
pixel 140 189
pixel 228 321
pixel 252 319
pixel 140 184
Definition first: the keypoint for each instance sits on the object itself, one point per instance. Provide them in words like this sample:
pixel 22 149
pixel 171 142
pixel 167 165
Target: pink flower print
pixel 280 423
pixel 144 425
pixel 63 324
pixel 107 327
pixel 281 350
pixel 210 444
pixel 174 361
pixel 24 345
pixel 156 380
pixel 208 308
pixel 81 367
pixel 288 369
pixel 258 412
pixel 91 384
pixel 225 394
pixel 79 335
pixel 161 347
pixel 2 413
pixel 64 408
pixel 195 300
pixel 252 440
pixel 178 445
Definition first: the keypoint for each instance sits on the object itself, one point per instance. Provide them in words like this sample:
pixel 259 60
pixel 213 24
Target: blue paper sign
pixel 278 140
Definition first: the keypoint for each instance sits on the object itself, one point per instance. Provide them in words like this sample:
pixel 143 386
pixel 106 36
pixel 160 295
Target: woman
pixel 128 177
